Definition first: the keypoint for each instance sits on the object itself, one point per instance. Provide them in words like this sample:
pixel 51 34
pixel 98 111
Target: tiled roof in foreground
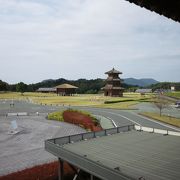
pixel 123 155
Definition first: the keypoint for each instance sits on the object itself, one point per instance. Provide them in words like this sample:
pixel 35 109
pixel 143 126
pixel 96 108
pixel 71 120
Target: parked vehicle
pixel 177 105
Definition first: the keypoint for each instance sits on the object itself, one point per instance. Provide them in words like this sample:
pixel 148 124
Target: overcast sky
pixel 72 39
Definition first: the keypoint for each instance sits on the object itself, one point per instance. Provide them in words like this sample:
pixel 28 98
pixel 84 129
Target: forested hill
pixel 140 82
pixel 86 86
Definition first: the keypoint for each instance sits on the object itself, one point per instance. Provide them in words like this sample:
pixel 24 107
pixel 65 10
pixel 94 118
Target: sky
pixel 73 39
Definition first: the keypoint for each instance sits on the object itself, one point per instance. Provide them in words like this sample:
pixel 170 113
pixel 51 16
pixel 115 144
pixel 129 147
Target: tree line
pixel 85 86
pixel 165 85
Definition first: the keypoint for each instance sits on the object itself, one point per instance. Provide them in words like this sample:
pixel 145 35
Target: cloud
pixel 83 39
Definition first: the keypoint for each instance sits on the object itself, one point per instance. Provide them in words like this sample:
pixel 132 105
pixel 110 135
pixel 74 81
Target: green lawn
pixel 93 100
pixel 175 94
pixel 166 119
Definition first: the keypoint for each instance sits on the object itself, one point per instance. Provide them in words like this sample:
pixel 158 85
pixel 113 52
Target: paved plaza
pixel 26 148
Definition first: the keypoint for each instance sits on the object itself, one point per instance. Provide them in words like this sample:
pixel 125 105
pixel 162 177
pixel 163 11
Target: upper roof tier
pixel 113 71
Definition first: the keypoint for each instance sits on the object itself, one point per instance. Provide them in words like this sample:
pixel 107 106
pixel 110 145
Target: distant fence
pixel 18 114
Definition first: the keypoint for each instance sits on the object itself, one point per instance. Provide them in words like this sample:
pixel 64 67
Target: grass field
pixel 175 94
pixel 166 119
pixel 94 100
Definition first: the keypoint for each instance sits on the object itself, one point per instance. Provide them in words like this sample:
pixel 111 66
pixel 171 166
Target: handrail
pixel 90 135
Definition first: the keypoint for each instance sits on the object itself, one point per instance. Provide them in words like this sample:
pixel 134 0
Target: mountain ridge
pixel 143 82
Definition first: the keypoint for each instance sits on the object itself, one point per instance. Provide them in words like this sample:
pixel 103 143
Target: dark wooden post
pixel 61 169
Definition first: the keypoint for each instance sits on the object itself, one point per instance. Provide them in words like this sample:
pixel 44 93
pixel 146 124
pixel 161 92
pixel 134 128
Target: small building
pixel 47 90
pixel 65 89
pixel 113 86
pixel 177 104
pixel 172 88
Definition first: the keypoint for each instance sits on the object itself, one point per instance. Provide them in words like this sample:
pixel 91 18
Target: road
pixel 120 117
pixel 127 117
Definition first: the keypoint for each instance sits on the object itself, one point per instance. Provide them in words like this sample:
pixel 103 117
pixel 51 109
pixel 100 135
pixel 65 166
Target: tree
pixel 21 87
pixel 160 103
pixel 3 86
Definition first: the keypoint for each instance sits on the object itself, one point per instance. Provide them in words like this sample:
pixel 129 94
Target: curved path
pixel 127 117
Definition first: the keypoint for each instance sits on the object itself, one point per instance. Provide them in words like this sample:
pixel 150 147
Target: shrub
pixel 95 120
pixel 56 116
pixel 80 118
pixel 77 117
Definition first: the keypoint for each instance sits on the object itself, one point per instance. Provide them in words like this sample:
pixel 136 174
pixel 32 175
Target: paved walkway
pixel 26 149
pixel 105 122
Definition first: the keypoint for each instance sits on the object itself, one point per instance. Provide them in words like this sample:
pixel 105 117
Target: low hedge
pixel 127 100
pixel 95 120
pixel 81 118
pixel 117 101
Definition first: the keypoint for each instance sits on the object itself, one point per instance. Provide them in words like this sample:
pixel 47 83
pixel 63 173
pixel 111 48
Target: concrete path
pixel 105 122
pixel 26 149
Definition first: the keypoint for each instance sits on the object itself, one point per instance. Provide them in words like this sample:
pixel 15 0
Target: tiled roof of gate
pixel 113 71
pixel 66 86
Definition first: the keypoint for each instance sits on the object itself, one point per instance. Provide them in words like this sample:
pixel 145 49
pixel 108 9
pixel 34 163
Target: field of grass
pixel 24 96
pixel 166 119
pixel 93 100
pixel 175 94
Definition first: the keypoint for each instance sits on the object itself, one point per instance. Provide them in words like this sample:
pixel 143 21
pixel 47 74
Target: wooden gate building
pixel 113 86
